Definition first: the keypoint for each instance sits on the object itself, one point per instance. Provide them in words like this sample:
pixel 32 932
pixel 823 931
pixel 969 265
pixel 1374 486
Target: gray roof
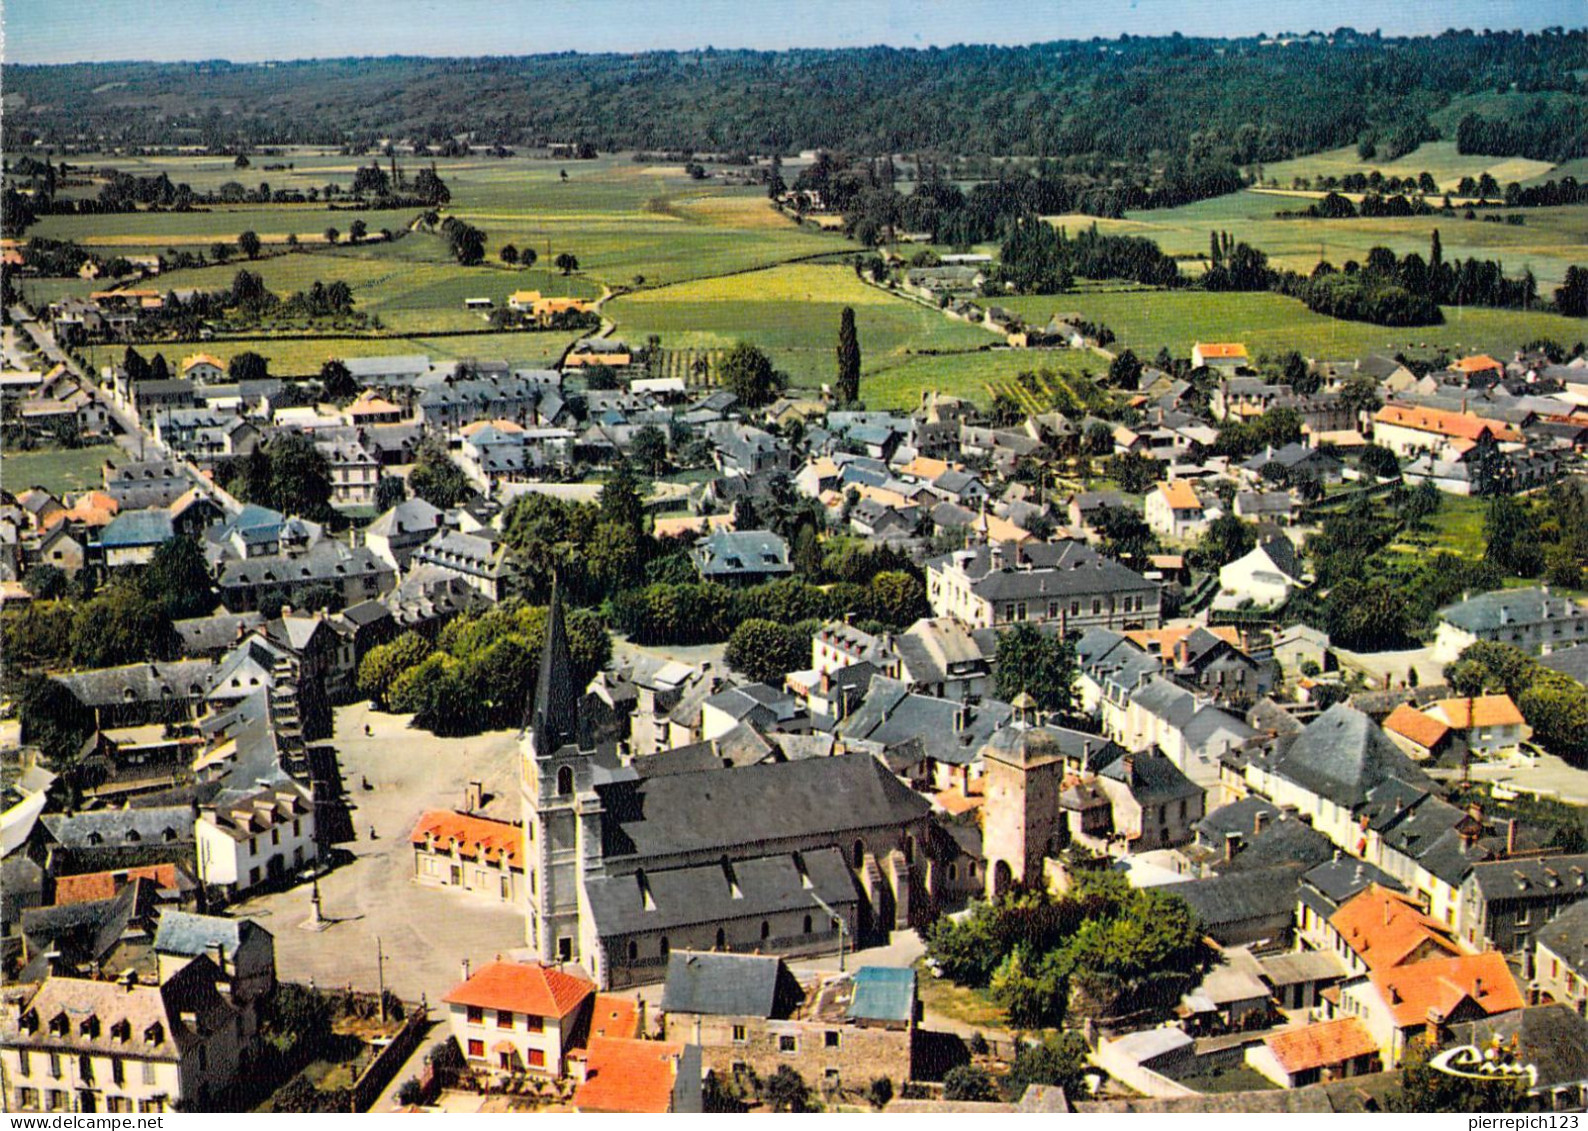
pixel 883 993
pixel 181 932
pixel 1241 896
pixel 1552 1038
pixel 116 828
pixel 138 528
pixel 1341 878
pixel 326 560
pixel 726 985
pixel 1487 612
pixel 1046 570
pixel 731 808
pixel 729 552
pixel 139 683
pixel 705 893
pixel 1566 935
pixel 1571 662
pixel 1551 878
pixel 951 733
pixel 217 633
pixel 1342 754
pixel 1151 778
pixel 1301 966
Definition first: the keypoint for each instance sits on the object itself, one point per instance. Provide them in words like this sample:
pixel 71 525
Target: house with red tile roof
pixel 1410 430
pixel 91 886
pixel 1401 1003
pixel 520 1017
pixel 1417 732
pixel 1174 510
pixel 1314 1054
pixel 641 1077
pixel 1225 356
pixel 476 854
pixel 1379 929
pixel 1490 724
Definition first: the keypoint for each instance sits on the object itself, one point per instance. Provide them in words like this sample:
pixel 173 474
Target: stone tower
pixel 1021 820
pixel 559 801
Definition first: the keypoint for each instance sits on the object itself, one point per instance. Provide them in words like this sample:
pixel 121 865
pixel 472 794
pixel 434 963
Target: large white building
pixel 1066 584
pixel 256 837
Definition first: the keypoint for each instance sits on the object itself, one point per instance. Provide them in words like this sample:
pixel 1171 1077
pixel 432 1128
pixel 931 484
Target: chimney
pixel 1129 762
pixel 1510 837
pixel 465 969
pixel 1477 987
pixel 473 797
pixel 995 554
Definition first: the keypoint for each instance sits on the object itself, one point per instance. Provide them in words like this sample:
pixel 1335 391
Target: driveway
pixel 425 933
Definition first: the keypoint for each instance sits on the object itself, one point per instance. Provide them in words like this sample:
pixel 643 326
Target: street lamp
pixel 838 921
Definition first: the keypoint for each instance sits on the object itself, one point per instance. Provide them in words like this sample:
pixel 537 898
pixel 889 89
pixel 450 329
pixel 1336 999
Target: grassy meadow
pixel 1439 159
pixel 57 470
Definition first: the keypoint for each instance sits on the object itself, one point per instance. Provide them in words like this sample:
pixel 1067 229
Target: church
pixel 793 858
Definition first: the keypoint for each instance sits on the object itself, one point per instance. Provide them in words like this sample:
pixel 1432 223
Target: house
pixel 629 1076
pixel 204 368
pixel 1152 803
pixel 520 1017
pixel 940 656
pixel 1560 957
pixel 132 537
pixel 395 535
pixel 1490 725
pixel 750 1012
pixel 478 560
pixel 1535 620
pixel 1379 929
pixel 80 1044
pixel 473 853
pixel 242 950
pixel 598 351
pixel 1401 1003
pixel 256 837
pixel 1417 732
pixel 1222 356
pixel 1506 902
pixel 1244 398
pixel 1265 506
pixel 1064 583
pixel 350 574
pixel 1265 575
pixel 1411 430
pixel 1327 1050
pixel 743 557
pixel 1173 510
pixel 1293 462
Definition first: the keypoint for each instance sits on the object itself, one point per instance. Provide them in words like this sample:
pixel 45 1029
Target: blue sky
pixel 58 31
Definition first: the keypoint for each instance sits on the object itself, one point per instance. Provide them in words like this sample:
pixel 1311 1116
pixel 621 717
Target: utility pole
pixel 380 974
pixel 838 921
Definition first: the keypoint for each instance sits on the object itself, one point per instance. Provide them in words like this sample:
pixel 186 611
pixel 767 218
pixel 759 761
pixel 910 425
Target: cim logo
pixel 1473 1063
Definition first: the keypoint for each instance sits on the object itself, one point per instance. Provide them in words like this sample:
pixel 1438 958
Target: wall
pixel 860 1054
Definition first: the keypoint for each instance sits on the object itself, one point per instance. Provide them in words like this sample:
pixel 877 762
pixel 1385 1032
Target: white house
pixel 1491 724
pixel 1266 575
pixel 1173 510
pixel 255 837
pixel 519 1016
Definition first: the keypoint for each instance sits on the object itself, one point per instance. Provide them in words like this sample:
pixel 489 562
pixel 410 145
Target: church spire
pixel 554 713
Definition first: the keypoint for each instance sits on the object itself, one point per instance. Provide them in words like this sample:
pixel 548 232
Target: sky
pixel 62 31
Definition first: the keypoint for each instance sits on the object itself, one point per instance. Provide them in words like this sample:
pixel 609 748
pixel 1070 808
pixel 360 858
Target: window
pixel 740 1034
pixel 275 836
pixel 55 1065
pixel 859 853
pixel 504 1018
pixel 297 827
pixel 788 1043
pixel 1097 605
pixel 253 876
pixel 148 1072
pixel 55 1101
pixel 565 949
pixel 766 930
pixel 118 1071
pixel 830 1039
pixel 665 947
pixel 534 1023
pixel 150 1106
pixel 634 951
pixel 24 1063
pixel 476 1050
pixel 476 1015
pixel 28 1098
pixel 537 1058
pixel 807 925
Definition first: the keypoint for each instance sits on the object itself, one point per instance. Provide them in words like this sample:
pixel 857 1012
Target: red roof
pixel 614 1016
pixel 629 1076
pixel 1481 711
pixel 1408 722
pixel 1386 928
pixel 1443 422
pixel 1221 349
pixel 522 987
pixel 1319 1046
pixel 1436 988
pixel 475 837
pixel 90 886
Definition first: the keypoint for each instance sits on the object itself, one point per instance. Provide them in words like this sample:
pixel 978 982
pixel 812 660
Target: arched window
pixel 860 853
pixel 909 849
pixel 953 872
pixel 807 924
pixel 564 781
pixel 722 939
pixel 766 930
pixel 634 951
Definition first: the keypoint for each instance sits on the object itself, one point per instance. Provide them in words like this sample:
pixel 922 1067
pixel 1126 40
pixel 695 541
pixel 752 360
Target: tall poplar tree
pixel 848 358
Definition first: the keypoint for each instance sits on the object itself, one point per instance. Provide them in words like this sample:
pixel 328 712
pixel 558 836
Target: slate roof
pixel 728 985
pixel 726 553
pixel 181 932
pixel 139 683
pixel 1567 935
pixel 200 635
pixel 704 894
pixel 1571 662
pixel 326 560
pixel 753 804
pixel 891 715
pixel 117 828
pixel 1518 607
pixel 1057 569
pixel 1228 900
pixel 138 528
pixel 1550 878
pixel 1342 754
pixel 1152 779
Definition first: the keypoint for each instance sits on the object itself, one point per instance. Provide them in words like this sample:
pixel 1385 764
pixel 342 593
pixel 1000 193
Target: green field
pixel 792 313
pixel 1437 158
pixel 1551 240
pixel 967 375
pixel 1146 321
pixel 57 470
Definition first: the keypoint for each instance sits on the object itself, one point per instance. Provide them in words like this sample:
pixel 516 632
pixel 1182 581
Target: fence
pixel 386 1063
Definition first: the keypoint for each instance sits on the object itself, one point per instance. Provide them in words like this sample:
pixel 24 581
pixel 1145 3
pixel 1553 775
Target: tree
pixel 566 262
pixel 45 582
pixel 1426 1088
pixel 847 388
pixel 620 498
pixel 649 449
pixel 1511 535
pixel 177 578
pixel 1380 462
pixel 332 235
pixel 389 491
pixel 357 230
pixel 248 243
pixel 613 556
pixel 1124 372
pixel 968 1083
pixel 436 479
pixel 300 476
pixel 748 374
pixel 1556 707
pixel 1226 539
pixel 220 251
pixel 898 599
pixel 1040 665
pixel 337 380
pixel 766 651
pixel 527 257
pixel 430 188
pixel 786 1090
pixel 241 161
pixel 508 254
pixel 121 626
pixel 383 663
pixel 1134 472
pixel 879 1092
pixel 247 366
pixel 1060 1061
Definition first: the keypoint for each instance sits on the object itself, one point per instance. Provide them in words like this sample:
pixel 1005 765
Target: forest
pixel 1246 101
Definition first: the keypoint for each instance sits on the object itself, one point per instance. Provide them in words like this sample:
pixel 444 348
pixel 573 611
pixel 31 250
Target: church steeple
pixel 554 714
